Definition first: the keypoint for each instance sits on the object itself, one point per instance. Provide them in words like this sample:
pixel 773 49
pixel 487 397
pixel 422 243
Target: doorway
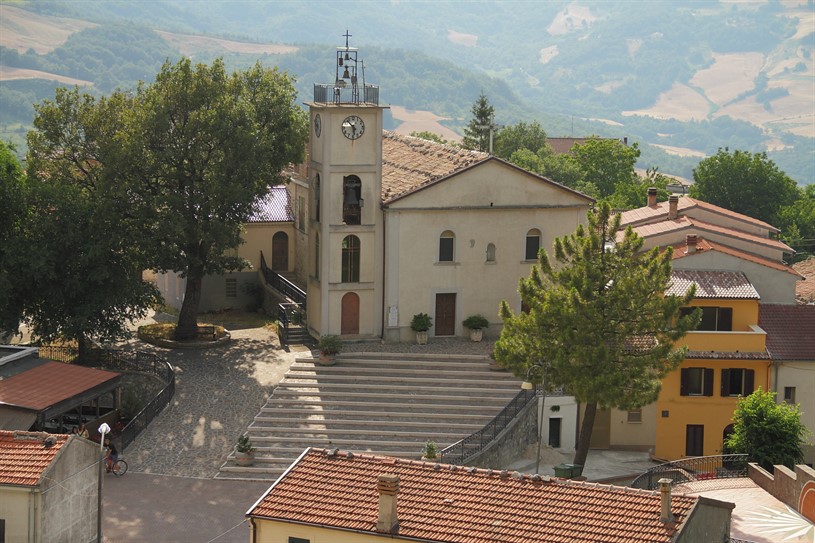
pixel 695 440
pixel 445 314
pixel 280 252
pixel 554 432
pixel 349 324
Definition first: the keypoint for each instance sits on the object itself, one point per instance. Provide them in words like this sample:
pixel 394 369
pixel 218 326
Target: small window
pixel 301 213
pixel 696 382
pixel 316 255
pixel 317 198
pixel 446 246
pixel 635 415
pixel 789 395
pixel 350 259
pixel 737 382
pixel 231 288
pixel 298 540
pixel 490 252
pixel 533 244
pixel 351 200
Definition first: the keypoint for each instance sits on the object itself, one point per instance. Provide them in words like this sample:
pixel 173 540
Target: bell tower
pixel 346 225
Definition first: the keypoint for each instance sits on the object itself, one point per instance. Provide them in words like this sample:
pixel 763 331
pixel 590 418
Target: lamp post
pixel 527 385
pixel 104 429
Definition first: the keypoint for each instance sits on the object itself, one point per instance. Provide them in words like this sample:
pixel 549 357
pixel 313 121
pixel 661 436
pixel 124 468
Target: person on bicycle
pixel 111 455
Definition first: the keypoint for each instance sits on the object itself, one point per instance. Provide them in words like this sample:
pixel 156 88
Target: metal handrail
pixel 459 452
pixel 697 468
pixel 282 285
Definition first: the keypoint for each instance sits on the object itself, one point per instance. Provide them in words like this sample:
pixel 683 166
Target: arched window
pixel 351 199
pixel 350 259
pixel 447 243
pixel 490 252
pixel 317 198
pixel 533 244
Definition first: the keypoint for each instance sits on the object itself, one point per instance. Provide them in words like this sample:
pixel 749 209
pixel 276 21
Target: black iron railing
pixel 459 452
pixel 126 361
pixel 282 285
pixel 346 94
pixel 697 468
pixel 290 317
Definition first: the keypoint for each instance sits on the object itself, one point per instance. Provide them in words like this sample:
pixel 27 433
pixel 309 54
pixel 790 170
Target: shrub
pixel 421 322
pixel 476 322
pixel 329 345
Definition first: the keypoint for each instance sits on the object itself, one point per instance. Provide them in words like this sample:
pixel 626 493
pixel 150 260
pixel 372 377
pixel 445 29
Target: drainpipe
pixel 384 263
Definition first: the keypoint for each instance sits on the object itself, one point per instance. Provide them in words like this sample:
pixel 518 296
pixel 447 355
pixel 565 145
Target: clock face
pixel 318 125
pixel 353 127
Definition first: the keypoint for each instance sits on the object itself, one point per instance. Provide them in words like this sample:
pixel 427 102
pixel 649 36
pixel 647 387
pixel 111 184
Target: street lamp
pixel 103 430
pixel 527 385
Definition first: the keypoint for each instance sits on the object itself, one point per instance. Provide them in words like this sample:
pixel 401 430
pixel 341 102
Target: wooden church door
pixel 350 314
pixel 445 314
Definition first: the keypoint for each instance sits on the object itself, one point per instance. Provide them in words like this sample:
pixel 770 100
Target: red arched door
pixel 280 252
pixel 350 314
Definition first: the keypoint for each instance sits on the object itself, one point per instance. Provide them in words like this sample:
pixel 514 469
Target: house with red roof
pixel 342 497
pixel 48 487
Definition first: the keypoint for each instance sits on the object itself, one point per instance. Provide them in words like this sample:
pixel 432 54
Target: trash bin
pixel 568 471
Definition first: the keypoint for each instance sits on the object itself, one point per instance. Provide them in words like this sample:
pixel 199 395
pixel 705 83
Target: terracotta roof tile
pixel 456 504
pixel 660 212
pixel 805 290
pixel 409 163
pixel 275 206
pixel 703 245
pixel 50 383
pixel 728 355
pixel 790 330
pixel 712 284
pixel 24 457
pixel 685 223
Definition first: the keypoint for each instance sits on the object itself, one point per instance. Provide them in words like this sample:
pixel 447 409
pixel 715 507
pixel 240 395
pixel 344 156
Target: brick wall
pixel 795 488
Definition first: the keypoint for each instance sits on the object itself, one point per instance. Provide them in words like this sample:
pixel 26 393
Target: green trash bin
pixel 568 471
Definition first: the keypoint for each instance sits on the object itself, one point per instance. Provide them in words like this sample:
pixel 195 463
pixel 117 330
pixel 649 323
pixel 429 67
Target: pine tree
pixel 476 137
pixel 599 322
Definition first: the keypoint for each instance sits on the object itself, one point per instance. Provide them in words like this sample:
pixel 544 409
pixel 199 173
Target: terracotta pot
pixel 326 360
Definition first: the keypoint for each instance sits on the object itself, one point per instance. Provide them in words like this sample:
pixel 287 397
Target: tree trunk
pixel 188 318
pixel 85 348
pixel 584 439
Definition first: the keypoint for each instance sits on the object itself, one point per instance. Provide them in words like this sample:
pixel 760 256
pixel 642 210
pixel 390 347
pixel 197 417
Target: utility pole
pixel 492 127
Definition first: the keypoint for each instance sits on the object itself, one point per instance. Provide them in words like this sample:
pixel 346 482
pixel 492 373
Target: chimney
pixel 652 196
pixel 665 514
pixel 388 487
pixel 690 241
pixel 673 207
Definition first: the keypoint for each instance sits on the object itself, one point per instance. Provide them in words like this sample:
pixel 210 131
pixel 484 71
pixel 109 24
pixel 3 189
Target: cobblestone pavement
pixel 218 392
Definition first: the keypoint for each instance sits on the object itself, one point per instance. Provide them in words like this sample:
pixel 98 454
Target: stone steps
pixel 377 403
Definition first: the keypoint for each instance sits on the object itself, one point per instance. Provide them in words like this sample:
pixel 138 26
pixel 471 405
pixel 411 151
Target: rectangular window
pixel 446 249
pixel 789 395
pixel 714 319
pixel 696 382
pixel 301 213
pixel 635 415
pixel 737 382
pixel 298 540
pixel 533 243
pixel 231 288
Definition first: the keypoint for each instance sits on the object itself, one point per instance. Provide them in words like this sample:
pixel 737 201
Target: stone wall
pixel 514 438
pixel 795 489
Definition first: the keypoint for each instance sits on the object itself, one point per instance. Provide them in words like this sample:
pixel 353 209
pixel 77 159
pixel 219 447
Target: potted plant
pixel 244 451
pixel 420 324
pixel 476 324
pixel 329 345
pixel 430 451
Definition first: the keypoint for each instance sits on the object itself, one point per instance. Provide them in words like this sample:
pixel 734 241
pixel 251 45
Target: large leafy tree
pixel 13 196
pixel 606 163
pixel 476 133
pixel 598 319
pixel 797 223
pixel 182 161
pixel 769 432
pixel 519 136
pixel 744 182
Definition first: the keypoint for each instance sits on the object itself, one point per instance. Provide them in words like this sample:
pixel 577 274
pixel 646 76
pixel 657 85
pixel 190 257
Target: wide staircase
pixel 376 403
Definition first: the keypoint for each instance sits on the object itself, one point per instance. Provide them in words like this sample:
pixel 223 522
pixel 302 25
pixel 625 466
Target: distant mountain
pixel 681 78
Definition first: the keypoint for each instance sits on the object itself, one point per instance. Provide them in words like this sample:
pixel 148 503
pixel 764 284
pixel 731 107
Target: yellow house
pixel 727 359
pixel 330 496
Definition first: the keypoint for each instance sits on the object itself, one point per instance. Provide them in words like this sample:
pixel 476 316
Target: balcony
pixel 344 93
pixel 751 340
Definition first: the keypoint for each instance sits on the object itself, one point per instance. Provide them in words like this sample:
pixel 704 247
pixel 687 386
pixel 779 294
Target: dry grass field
pixel 190 45
pixel 24 30
pixel 8 74
pixel 419 121
pixel 470 40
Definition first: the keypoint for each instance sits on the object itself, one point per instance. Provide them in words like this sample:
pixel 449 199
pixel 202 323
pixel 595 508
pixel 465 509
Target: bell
pixel 339 61
pixel 345 74
pixel 351 197
pixel 347 57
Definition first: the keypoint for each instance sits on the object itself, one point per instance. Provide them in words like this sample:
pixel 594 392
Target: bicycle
pixel 119 468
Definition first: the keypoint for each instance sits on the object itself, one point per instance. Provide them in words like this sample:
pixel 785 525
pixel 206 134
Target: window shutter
pixel 708 382
pixel 749 381
pixel 683 385
pixel 725 319
pixel 725 382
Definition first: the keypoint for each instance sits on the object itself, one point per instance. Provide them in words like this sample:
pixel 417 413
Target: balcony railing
pixel 346 94
pixel 697 468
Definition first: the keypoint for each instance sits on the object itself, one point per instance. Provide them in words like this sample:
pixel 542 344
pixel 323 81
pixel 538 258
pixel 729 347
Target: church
pixel 377 227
